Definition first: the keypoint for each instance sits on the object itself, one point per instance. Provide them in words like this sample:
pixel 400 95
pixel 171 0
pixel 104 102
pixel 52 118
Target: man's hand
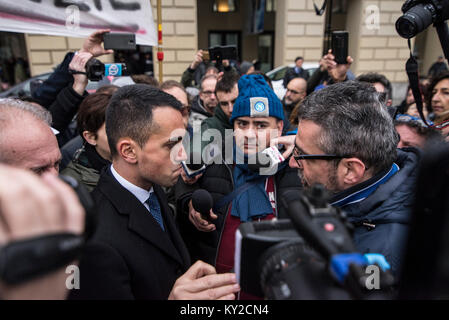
pixel 32 206
pixel 78 63
pixel 197 60
pixel 287 141
pixel 201 282
pixel 93 44
pixel 199 222
pixel 336 71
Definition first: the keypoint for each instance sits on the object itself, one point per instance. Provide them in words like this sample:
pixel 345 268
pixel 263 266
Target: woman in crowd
pixel 438 99
pixel 95 154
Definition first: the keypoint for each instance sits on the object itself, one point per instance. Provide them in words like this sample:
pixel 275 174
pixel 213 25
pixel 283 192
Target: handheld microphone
pixel 202 202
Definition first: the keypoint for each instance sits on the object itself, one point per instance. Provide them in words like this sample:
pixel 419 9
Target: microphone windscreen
pixel 202 201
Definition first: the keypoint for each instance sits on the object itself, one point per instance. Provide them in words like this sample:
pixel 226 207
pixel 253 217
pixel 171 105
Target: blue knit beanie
pixel 256 99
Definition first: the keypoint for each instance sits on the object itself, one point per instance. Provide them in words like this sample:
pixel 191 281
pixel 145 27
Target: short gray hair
pixel 19 106
pixel 354 123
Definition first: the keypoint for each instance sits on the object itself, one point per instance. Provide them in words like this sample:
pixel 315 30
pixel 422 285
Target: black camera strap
pixel 71 71
pixel 27 259
pixel 412 72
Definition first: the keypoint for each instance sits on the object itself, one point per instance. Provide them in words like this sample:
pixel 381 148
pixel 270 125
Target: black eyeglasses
pixel 298 156
pixel 295 92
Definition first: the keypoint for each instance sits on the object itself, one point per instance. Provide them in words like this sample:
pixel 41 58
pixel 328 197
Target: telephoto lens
pixel 415 20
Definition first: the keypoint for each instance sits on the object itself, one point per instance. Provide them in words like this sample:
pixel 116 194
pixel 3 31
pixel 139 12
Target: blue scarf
pixel 364 192
pixel 254 202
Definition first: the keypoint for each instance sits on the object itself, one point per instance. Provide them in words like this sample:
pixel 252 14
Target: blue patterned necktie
pixel 155 209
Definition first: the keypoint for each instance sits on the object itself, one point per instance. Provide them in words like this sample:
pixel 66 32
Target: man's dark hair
pixel 167 85
pixel 354 123
pixel 433 82
pixel 227 83
pixel 92 111
pixel 299 58
pixel 108 88
pixel 145 79
pixel 374 77
pixel 130 113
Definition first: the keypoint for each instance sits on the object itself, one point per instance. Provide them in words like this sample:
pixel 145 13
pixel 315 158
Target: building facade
pixel 291 28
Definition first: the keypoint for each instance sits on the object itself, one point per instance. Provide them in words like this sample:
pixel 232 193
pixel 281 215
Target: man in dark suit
pixel 136 251
pixel 296 72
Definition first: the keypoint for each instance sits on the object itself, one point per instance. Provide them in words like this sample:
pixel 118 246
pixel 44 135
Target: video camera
pixel 96 70
pixel 420 14
pixel 27 259
pixel 310 256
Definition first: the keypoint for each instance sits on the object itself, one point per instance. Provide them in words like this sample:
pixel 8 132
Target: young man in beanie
pixel 257 119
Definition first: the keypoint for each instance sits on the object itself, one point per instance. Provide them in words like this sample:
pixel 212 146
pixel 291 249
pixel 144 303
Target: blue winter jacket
pixel 389 210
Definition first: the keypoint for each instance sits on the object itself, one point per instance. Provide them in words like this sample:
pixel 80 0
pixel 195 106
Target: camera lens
pixel 95 69
pixel 415 20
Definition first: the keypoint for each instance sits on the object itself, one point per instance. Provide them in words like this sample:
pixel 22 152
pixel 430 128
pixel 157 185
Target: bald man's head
pixel 296 92
pixel 26 140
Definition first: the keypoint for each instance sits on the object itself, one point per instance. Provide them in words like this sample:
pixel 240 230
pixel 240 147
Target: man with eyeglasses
pixel 203 105
pixel 347 142
pixel 296 92
pixel 227 92
pixel 253 195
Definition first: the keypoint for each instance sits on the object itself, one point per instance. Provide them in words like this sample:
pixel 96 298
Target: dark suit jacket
pixel 129 256
pixel 291 73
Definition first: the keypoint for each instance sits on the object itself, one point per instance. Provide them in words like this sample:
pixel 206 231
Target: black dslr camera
pixel 27 259
pixel 310 256
pixel 419 14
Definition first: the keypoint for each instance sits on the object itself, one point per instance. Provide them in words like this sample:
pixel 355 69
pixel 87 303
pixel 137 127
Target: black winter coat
pixel 218 180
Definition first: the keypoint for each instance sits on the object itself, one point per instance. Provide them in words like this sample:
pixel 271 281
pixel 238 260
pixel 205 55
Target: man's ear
pixel 352 171
pixel 127 150
pixel 90 137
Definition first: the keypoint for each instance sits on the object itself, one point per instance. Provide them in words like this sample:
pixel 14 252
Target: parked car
pixel 277 76
pixel 24 88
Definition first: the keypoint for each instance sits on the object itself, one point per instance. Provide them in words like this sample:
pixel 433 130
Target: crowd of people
pixel 128 147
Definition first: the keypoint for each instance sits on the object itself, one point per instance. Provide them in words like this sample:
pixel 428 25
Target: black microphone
pixel 202 202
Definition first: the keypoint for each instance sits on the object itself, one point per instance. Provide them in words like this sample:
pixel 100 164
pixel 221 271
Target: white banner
pixel 79 18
